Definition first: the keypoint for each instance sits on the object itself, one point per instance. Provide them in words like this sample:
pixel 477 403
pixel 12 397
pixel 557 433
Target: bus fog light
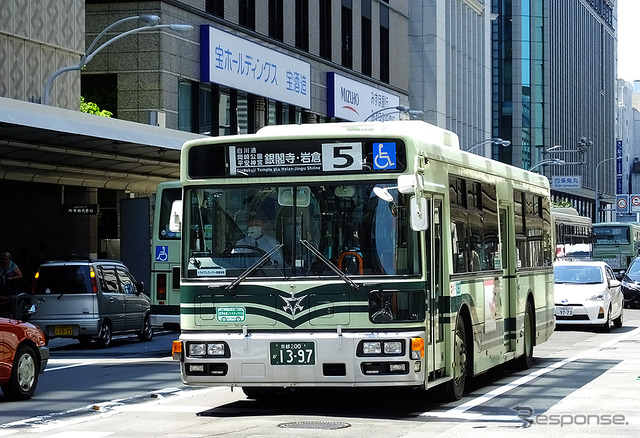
pixel 197 349
pixel 215 349
pixel 393 347
pixel 371 347
pixel 196 368
pixel 417 367
pixel 398 367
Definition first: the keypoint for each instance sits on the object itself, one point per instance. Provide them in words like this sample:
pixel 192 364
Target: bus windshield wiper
pixel 330 264
pixel 251 269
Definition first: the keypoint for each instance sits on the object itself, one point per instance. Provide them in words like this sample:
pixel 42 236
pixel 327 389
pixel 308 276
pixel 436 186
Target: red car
pixel 23 356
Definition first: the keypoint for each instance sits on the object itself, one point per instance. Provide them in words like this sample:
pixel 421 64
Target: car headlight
pixel 597 297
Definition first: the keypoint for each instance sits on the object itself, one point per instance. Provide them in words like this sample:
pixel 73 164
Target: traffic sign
pixel 634 201
pixel 622 203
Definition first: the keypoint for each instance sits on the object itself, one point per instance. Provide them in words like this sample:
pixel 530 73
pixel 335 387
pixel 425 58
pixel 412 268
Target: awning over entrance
pixel 45 144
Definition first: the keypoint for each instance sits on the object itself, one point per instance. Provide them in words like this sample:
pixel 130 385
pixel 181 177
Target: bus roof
pixel 437 143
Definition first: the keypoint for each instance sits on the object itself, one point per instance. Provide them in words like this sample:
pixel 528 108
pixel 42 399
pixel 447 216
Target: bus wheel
pixel 525 361
pixel 455 388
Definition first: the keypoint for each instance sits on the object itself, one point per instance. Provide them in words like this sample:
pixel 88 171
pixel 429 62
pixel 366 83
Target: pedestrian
pixel 10 275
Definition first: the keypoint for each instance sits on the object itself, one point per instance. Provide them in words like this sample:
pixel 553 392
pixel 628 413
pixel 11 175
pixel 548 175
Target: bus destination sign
pixel 260 159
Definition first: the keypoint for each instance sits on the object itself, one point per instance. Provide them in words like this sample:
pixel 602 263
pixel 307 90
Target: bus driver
pixel 256 237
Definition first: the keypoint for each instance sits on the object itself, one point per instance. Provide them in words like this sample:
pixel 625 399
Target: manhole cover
pixel 319 425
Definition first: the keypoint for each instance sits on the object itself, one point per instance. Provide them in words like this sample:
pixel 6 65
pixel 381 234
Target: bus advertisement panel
pixel 358 255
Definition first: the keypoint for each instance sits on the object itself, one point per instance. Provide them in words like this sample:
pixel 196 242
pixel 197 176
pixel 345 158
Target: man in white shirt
pixel 256 237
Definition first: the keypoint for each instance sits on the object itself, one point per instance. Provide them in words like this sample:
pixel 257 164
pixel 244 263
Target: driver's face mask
pixel 254 232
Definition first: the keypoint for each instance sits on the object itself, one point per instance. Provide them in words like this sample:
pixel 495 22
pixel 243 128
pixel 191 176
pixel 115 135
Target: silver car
pixel 88 299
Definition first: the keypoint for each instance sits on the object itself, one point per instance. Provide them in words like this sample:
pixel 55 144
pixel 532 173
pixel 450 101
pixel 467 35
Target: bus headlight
pixel 381 348
pixel 370 347
pixel 216 349
pixel 394 347
pixel 203 349
pixel 197 349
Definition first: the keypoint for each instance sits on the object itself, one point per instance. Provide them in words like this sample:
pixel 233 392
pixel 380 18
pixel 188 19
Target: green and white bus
pixel 616 243
pixel 165 256
pixel 358 255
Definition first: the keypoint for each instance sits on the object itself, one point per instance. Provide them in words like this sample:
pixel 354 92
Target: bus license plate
pixel 63 330
pixel 564 311
pixel 292 353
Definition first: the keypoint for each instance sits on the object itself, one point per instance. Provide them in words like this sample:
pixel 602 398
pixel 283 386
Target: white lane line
pixel 44 423
pixel 461 410
pixel 61 364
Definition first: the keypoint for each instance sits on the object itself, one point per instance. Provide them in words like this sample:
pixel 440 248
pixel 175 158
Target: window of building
pixel 302 25
pixel 185 112
pixel 276 19
pixel 247 13
pixel 215 7
pixel 325 29
pixel 347 33
pixel 384 43
pixel 365 30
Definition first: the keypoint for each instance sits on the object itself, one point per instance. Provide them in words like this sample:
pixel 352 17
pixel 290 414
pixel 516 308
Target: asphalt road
pixel 582 382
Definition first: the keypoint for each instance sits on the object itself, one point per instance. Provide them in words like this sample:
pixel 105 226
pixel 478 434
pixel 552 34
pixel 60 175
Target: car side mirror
pixel 613 282
pixel 139 287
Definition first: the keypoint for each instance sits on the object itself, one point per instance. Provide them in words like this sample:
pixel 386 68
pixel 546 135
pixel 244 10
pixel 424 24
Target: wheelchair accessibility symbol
pixel 162 253
pixel 384 156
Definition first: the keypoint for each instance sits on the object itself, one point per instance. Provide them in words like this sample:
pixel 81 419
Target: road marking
pixel 61 364
pixel 44 423
pixel 461 410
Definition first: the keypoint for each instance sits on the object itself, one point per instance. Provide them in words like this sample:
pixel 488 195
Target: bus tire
pixel 461 361
pixel 525 361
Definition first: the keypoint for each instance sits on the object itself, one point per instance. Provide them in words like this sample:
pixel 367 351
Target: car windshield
pixel 347 227
pixel 634 269
pixel 578 274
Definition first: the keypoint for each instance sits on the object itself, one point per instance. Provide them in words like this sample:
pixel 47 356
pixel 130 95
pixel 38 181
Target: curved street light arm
pixel 151 20
pixel 496 140
pixel 89 56
pixel 400 108
pixel 554 161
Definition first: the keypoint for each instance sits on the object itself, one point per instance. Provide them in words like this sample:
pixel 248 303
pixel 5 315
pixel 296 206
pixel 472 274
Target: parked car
pixel 88 299
pixel 631 284
pixel 587 292
pixel 23 357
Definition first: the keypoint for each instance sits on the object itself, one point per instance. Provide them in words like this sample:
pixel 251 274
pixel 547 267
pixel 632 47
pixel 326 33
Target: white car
pixel 587 293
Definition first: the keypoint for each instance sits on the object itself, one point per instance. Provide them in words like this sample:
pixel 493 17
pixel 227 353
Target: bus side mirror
pixel 419 214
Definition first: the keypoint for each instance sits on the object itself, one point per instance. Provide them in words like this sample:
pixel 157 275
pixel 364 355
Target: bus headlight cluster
pixel 381 348
pixel 207 349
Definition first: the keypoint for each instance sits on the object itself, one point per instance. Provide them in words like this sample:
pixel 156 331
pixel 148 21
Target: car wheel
pixel 617 323
pixel 146 334
pixel 105 336
pixel 24 375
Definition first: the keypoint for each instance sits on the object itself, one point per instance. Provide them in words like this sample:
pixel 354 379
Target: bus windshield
pixel 613 235
pixel 347 226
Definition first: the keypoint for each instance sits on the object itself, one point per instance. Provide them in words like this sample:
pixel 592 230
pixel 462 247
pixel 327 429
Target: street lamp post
pixel 554 161
pixel 400 108
pixel 597 188
pixel 149 21
pixel 496 141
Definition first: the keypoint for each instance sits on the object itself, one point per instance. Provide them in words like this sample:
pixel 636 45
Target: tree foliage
pixel 92 108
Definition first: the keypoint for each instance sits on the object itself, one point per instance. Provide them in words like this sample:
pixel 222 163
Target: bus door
pixel 508 284
pixel 436 348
